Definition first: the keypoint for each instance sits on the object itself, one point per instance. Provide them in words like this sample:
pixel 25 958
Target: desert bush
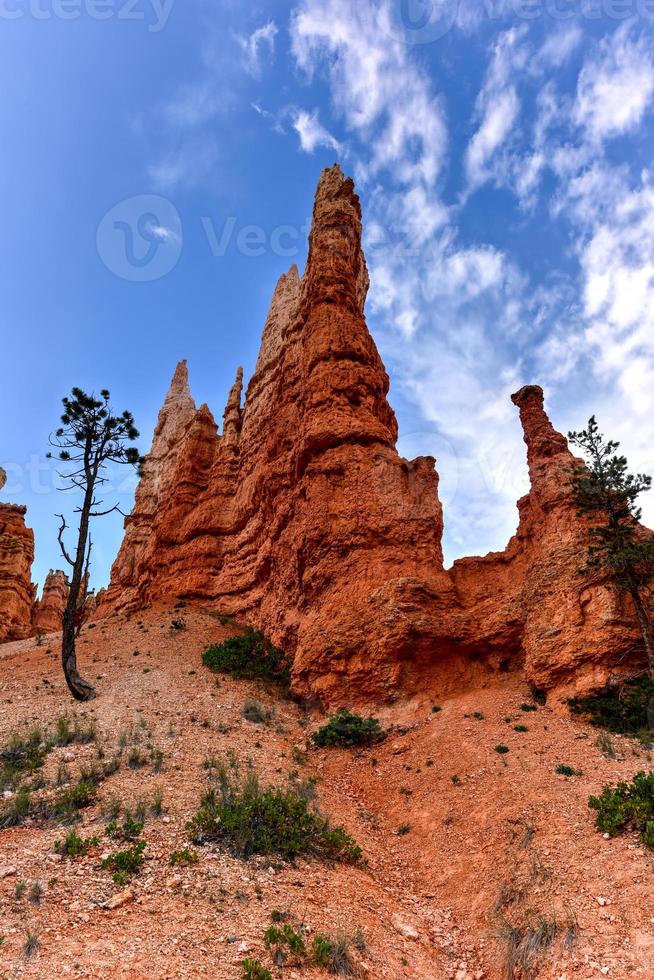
pixel 249 656
pixel 129 830
pixel 279 937
pixel 31 945
pixel 255 970
pixel 628 806
pixel 136 758
pixel 501 749
pixel 348 730
pixel 623 710
pixel 334 952
pixel 527 944
pixel 563 770
pixel 75 846
pixel 16 810
pixel 125 864
pixel 67 733
pixel 254 820
pixel 184 858
pixel 21 756
pixel 65 805
pixel 604 743
pixel 255 712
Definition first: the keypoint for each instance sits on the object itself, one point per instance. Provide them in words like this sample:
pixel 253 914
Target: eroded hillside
pixel 463 845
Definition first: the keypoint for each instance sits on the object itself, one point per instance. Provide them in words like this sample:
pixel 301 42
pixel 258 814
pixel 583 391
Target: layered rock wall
pixel 16 590
pixel 303 519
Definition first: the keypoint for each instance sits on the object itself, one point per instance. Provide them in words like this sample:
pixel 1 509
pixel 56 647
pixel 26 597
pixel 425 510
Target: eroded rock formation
pixel 303 520
pixel 16 589
pixel 49 609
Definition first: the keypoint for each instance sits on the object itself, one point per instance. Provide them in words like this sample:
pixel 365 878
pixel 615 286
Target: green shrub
pixel 124 864
pixel 65 806
pixel 254 970
pixel 520 728
pixel 253 820
pixel 528 707
pixel 16 810
pixel 502 749
pixel 334 954
pixel 285 936
pixel 348 730
pixel 563 770
pixel 249 656
pixel 22 755
pixel 75 846
pixel 67 734
pixel 184 858
pixel 403 829
pixel 130 829
pixel 627 806
pixel 621 710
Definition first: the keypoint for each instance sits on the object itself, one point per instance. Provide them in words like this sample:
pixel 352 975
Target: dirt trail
pixel 505 841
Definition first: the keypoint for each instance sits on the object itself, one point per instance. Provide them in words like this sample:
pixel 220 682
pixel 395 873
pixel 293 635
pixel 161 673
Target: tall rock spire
pixel 548 455
pixel 175 417
pixel 232 413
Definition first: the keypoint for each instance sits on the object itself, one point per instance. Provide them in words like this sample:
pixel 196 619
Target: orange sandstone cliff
pixel 302 519
pixel 16 590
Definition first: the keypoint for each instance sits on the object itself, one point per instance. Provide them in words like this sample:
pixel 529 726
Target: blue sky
pixel 158 167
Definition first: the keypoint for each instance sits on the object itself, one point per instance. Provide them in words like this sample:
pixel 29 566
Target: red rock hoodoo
pixel 48 611
pixel 16 589
pixel 303 520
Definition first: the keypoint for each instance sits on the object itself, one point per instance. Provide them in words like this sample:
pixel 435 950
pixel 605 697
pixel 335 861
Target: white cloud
pixel 497 123
pixel 253 45
pixel 375 85
pixel 311 131
pixel 615 86
pixel 498 108
pixel 558 48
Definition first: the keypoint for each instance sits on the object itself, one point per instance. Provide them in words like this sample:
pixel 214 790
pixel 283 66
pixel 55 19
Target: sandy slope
pixel 509 842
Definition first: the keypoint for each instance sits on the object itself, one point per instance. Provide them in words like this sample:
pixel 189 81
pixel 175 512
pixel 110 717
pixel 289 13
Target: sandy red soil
pixel 508 841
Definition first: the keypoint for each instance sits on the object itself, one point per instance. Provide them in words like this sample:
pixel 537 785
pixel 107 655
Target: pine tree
pixel 91 436
pixel 606 495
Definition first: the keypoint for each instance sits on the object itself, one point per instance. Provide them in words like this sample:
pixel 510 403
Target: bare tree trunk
pixel 79 688
pixel 646 627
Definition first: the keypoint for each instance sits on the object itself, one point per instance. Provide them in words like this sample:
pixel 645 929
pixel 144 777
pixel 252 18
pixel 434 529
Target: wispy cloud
pixel 498 107
pixel 615 88
pixel 311 131
pixel 255 44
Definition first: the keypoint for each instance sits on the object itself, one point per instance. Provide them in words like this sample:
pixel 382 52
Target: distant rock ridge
pixel 302 519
